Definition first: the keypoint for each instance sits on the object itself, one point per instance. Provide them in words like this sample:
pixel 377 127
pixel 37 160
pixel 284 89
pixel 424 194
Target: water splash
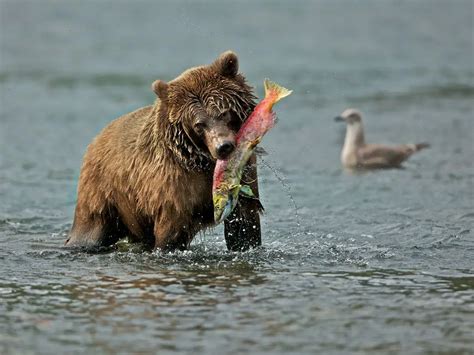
pixel 287 189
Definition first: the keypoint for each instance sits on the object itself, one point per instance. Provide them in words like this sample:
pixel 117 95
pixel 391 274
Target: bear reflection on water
pixel 148 175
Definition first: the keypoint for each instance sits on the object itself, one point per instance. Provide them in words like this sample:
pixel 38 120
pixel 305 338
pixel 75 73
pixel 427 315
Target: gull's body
pixel 357 154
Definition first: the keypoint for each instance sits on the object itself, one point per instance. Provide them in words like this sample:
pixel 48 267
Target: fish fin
pixel 254 143
pixel 260 207
pixel 260 151
pixel 233 187
pixel 246 191
pixel 271 87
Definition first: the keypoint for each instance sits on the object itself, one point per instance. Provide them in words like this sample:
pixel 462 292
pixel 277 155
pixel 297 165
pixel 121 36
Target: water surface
pixel 377 263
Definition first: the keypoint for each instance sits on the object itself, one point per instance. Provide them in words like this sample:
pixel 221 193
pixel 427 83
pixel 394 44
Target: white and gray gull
pixel 357 154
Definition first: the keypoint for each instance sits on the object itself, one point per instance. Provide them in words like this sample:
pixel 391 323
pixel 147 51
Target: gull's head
pixel 350 116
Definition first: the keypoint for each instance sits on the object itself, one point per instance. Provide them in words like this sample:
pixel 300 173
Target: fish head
pixel 225 199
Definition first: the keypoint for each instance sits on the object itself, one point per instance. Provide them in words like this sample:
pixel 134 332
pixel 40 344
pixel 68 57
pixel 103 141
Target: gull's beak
pixel 339 119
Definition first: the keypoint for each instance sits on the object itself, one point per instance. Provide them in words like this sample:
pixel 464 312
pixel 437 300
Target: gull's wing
pixel 375 156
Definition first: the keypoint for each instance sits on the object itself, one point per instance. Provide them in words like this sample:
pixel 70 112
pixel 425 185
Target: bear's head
pixel 205 107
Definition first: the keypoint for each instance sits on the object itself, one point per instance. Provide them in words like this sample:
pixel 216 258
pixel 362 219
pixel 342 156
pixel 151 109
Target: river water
pixel 375 263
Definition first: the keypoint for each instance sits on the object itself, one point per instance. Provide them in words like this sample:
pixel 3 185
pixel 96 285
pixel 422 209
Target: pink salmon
pixel 228 173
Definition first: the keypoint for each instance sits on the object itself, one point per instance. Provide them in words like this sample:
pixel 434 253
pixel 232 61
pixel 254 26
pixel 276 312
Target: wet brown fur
pixel 148 174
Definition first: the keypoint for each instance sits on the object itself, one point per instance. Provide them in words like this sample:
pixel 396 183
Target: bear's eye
pixel 199 127
pixel 233 121
pixel 226 116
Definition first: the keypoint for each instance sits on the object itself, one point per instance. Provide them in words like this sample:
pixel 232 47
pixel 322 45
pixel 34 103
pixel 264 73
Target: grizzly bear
pixel 148 175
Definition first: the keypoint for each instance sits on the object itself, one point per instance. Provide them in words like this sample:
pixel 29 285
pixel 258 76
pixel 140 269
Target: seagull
pixel 356 154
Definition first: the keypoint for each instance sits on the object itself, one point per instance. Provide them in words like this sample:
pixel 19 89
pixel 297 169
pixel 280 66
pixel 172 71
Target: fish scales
pixel 228 173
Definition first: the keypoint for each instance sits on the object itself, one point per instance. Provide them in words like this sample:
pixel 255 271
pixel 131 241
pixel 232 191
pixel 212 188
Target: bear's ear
pixel 227 64
pixel 161 89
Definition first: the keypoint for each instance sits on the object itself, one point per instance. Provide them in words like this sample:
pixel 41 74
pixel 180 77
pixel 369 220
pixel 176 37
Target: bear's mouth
pixel 211 154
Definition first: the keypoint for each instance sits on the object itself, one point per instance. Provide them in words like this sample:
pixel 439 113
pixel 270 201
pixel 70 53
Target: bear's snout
pixel 224 150
pixel 220 141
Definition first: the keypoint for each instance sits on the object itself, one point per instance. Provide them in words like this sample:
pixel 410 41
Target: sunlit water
pixel 373 263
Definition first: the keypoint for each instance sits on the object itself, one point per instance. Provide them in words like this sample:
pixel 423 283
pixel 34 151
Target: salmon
pixel 227 185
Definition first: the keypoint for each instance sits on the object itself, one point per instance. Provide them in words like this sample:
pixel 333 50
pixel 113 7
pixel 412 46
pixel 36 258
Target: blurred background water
pixel 378 263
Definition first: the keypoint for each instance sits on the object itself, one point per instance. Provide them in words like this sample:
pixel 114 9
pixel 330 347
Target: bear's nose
pixel 225 149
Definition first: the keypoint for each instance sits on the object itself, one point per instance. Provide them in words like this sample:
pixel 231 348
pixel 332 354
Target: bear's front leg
pixel 169 239
pixel 242 227
pixel 93 230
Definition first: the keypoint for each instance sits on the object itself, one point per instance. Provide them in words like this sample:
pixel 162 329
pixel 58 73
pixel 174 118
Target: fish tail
pixel 278 91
